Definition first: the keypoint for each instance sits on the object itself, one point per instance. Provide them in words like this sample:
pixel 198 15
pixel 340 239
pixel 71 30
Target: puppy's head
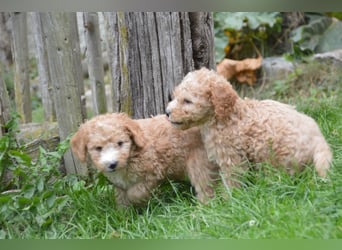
pixel 109 140
pixel 202 95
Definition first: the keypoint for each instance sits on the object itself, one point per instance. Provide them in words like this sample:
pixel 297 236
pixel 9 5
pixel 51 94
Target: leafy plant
pixel 9 152
pixel 306 38
pixel 234 30
pixel 34 191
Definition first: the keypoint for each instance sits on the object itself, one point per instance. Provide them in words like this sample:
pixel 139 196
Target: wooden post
pixel 202 36
pixel 150 52
pixel 4 105
pixel 5 40
pixel 43 69
pixel 20 53
pixel 174 39
pixel 117 43
pixel 63 49
pixel 95 64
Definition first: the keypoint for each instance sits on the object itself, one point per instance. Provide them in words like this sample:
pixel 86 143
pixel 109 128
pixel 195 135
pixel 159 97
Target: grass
pixel 269 205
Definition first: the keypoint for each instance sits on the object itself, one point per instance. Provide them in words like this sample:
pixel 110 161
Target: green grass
pixel 269 205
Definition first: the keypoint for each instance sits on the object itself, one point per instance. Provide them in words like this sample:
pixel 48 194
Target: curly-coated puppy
pixel 138 155
pixel 236 130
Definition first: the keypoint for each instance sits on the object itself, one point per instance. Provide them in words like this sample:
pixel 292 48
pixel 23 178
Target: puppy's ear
pixel 223 97
pixel 79 144
pixel 136 133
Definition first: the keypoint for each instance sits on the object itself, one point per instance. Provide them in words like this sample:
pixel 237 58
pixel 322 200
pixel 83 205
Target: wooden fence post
pixel 95 64
pixel 202 36
pixel 43 69
pixel 117 46
pixel 63 49
pixel 5 40
pixel 149 54
pixel 4 105
pixel 20 53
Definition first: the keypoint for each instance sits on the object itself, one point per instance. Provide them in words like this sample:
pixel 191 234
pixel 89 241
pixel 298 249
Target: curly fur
pixel 236 130
pixel 138 155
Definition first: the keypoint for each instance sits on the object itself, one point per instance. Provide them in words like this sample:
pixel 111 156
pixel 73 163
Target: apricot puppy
pixel 138 155
pixel 235 130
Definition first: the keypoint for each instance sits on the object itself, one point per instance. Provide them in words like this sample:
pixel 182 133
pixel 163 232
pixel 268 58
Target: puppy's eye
pixel 98 149
pixel 187 101
pixel 120 143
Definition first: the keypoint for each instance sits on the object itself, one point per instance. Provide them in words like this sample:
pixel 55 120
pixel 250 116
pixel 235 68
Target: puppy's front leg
pixel 231 169
pixel 121 198
pixel 202 175
pixel 141 192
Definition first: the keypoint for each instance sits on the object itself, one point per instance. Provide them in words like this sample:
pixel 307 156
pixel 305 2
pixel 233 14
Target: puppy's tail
pixel 322 157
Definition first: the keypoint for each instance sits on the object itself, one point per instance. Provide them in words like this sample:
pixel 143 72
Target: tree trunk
pixel 151 52
pixel 20 52
pixel 43 69
pixel 95 64
pixel 63 49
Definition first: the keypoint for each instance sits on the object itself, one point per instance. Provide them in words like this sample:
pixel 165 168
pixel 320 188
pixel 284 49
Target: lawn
pixel 270 204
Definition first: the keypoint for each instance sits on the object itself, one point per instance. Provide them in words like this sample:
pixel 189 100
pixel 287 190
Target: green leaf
pixel 235 20
pixel 50 201
pixel 41 220
pixel 79 185
pixel 257 19
pixel 24 202
pixel 47 194
pixel 238 20
pixel 4 199
pixel 2 234
pixel 61 203
pixel 331 39
pixel 48 221
pixel 40 184
pixel 221 42
pixel 29 191
pixel 4 144
pixel 12 124
pixel 307 37
pixel 20 157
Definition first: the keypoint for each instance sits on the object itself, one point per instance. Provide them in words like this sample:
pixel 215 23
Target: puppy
pixel 138 155
pixel 236 131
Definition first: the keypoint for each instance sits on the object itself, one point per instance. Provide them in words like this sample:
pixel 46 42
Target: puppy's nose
pixel 113 165
pixel 168 112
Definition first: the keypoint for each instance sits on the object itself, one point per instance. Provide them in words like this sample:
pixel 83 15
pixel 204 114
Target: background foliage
pixel 242 34
pixel 248 29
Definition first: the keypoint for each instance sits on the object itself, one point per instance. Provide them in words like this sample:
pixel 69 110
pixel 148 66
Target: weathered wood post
pixel 4 105
pixel 63 50
pixel 149 54
pixel 202 36
pixel 95 64
pixel 43 69
pixel 20 53
pixel 117 46
pixel 5 40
